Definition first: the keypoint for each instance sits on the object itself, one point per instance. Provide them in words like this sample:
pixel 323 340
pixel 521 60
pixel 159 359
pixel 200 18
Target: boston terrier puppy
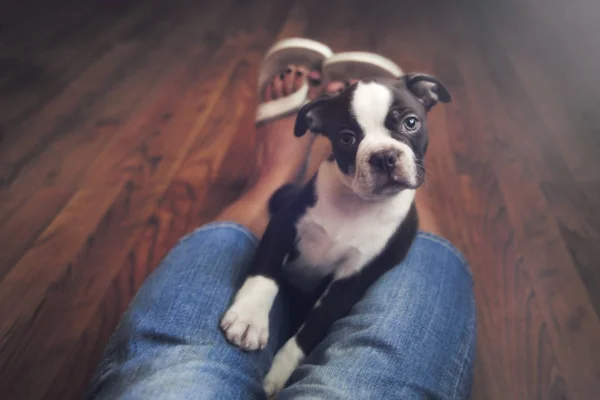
pixel 328 241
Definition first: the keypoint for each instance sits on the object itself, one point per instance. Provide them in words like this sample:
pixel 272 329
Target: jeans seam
pixel 465 356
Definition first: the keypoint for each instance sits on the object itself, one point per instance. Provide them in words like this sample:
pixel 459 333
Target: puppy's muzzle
pixel 385 161
pixel 389 169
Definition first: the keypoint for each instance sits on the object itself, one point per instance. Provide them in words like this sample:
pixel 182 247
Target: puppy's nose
pixel 384 160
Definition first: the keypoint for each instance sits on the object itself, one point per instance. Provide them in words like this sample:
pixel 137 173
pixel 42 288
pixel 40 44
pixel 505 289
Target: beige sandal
pixel 295 51
pixel 358 65
pixel 314 55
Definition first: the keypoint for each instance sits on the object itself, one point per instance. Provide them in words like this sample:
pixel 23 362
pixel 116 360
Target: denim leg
pixel 412 337
pixel 168 344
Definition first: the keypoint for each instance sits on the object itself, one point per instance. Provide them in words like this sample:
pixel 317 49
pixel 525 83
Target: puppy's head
pixel 378 131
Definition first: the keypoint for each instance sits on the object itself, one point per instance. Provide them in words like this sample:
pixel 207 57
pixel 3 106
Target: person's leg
pixel 279 154
pixel 412 337
pixel 168 344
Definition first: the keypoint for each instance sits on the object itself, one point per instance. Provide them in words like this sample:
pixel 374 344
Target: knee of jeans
pixel 434 271
pixel 413 332
pixel 444 255
pixel 441 259
pixel 221 248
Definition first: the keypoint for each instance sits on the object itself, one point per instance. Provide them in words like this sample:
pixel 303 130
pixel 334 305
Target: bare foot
pixel 280 156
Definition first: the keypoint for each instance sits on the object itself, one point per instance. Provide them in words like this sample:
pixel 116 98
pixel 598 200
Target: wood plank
pixel 510 341
pixel 29 140
pixel 25 24
pixel 564 129
pixel 577 211
pixel 43 72
pixel 563 301
pixel 514 352
pixel 43 187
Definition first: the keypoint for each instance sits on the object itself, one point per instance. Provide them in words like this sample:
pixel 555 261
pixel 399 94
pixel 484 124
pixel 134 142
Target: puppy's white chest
pixel 342 232
pixel 322 242
pixel 332 237
pixel 328 236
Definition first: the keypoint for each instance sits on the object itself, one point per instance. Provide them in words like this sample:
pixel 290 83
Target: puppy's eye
pixel 411 124
pixel 347 138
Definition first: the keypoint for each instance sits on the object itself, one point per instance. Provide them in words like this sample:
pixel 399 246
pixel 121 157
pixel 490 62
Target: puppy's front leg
pixel 346 289
pixel 246 322
pixel 336 302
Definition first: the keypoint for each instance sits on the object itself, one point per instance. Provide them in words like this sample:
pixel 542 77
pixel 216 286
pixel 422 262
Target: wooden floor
pixel 126 124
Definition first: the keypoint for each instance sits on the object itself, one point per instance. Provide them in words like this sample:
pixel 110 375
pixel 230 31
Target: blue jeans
pixel 411 337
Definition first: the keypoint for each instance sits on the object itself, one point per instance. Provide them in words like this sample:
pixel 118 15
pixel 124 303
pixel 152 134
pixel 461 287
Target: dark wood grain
pixel 576 207
pixel 126 125
pixel 522 159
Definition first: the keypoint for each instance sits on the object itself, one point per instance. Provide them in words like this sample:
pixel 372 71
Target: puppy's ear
pixel 309 116
pixel 427 89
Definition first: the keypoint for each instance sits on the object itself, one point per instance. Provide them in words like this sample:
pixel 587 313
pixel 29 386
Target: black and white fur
pixel 329 241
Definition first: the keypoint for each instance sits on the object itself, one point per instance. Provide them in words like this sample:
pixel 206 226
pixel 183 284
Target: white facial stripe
pixel 370 105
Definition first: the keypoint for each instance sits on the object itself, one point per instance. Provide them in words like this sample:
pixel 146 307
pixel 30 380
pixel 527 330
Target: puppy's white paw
pixel 246 325
pixel 285 362
pixel 272 388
